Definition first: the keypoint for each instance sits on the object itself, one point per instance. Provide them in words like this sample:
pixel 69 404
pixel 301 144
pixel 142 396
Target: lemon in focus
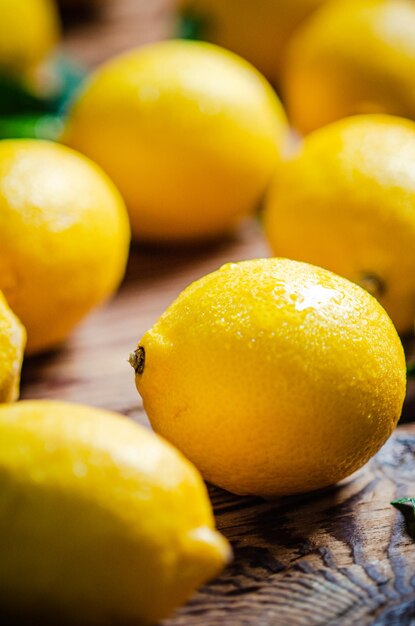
pixel 346 202
pixel 352 57
pixel 101 521
pixel 64 237
pixel 258 31
pixel 29 29
pixel 12 343
pixel 190 133
pixel 273 377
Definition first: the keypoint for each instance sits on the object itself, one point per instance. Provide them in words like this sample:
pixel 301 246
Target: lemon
pixel 352 57
pixel 29 29
pixel 190 133
pixel 273 376
pixel 64 237
pixel 101 521
pixel 12 343
pixel 346 202
pixel 258 31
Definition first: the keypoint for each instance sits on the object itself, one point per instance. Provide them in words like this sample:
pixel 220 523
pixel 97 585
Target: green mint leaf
pixel 30 126
pixel 410 368
pixel 407 507
pixel 403 502
pixel 191 25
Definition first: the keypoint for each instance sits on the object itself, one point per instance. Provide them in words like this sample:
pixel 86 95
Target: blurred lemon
pixel 12 343
pixel 191 134
pixel 346 202
pixel 258 31
pixel 352 56
pixel 64 237
pixel 100 520
pixel 273 376
pixel 29 29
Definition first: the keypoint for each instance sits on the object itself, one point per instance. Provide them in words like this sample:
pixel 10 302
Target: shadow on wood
pixel 337 557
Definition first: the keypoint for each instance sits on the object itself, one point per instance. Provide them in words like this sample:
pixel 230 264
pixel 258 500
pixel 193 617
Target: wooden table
pixel 339 557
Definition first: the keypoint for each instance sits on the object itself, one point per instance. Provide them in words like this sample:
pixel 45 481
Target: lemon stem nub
pixel 373 284
pixel 137 359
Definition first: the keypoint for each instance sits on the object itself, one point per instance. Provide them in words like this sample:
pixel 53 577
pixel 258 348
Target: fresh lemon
pixel 64 237
pixel 346 202
pixel 190 133
pixel 351 57
pixel 28 31
pixel 100 520
pixel 273 376
pixel 258 31
pixel 12 343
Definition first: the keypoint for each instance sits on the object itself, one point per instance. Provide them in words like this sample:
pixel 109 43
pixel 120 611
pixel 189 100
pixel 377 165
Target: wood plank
pixel 117 26
pixel 339 557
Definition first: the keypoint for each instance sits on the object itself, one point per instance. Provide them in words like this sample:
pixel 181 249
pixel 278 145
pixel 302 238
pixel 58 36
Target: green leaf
pixel 410 369
pixel 71 77
pixel 17 97
pixel 31 126
pixel 192 26
pixel 407 507
pixel 404 503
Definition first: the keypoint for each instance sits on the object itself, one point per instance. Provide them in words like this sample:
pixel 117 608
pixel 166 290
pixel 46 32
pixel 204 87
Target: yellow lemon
pixel 190 133
pixel 28 31
pixel 258 31
pixel 64 237
pixel 346 202
pixel 101 521
pixel 12 343
pixel 351 57
pixel 273 376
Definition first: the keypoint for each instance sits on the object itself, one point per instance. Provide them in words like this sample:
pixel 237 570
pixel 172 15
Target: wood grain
pixel 339 557
pixel 116 26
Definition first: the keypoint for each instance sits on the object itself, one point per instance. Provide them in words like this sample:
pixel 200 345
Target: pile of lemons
pixel 271 376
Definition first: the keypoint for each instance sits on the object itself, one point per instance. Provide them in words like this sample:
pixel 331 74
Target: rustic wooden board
pixel 116 26
pixel 342 557
pixel 339 557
